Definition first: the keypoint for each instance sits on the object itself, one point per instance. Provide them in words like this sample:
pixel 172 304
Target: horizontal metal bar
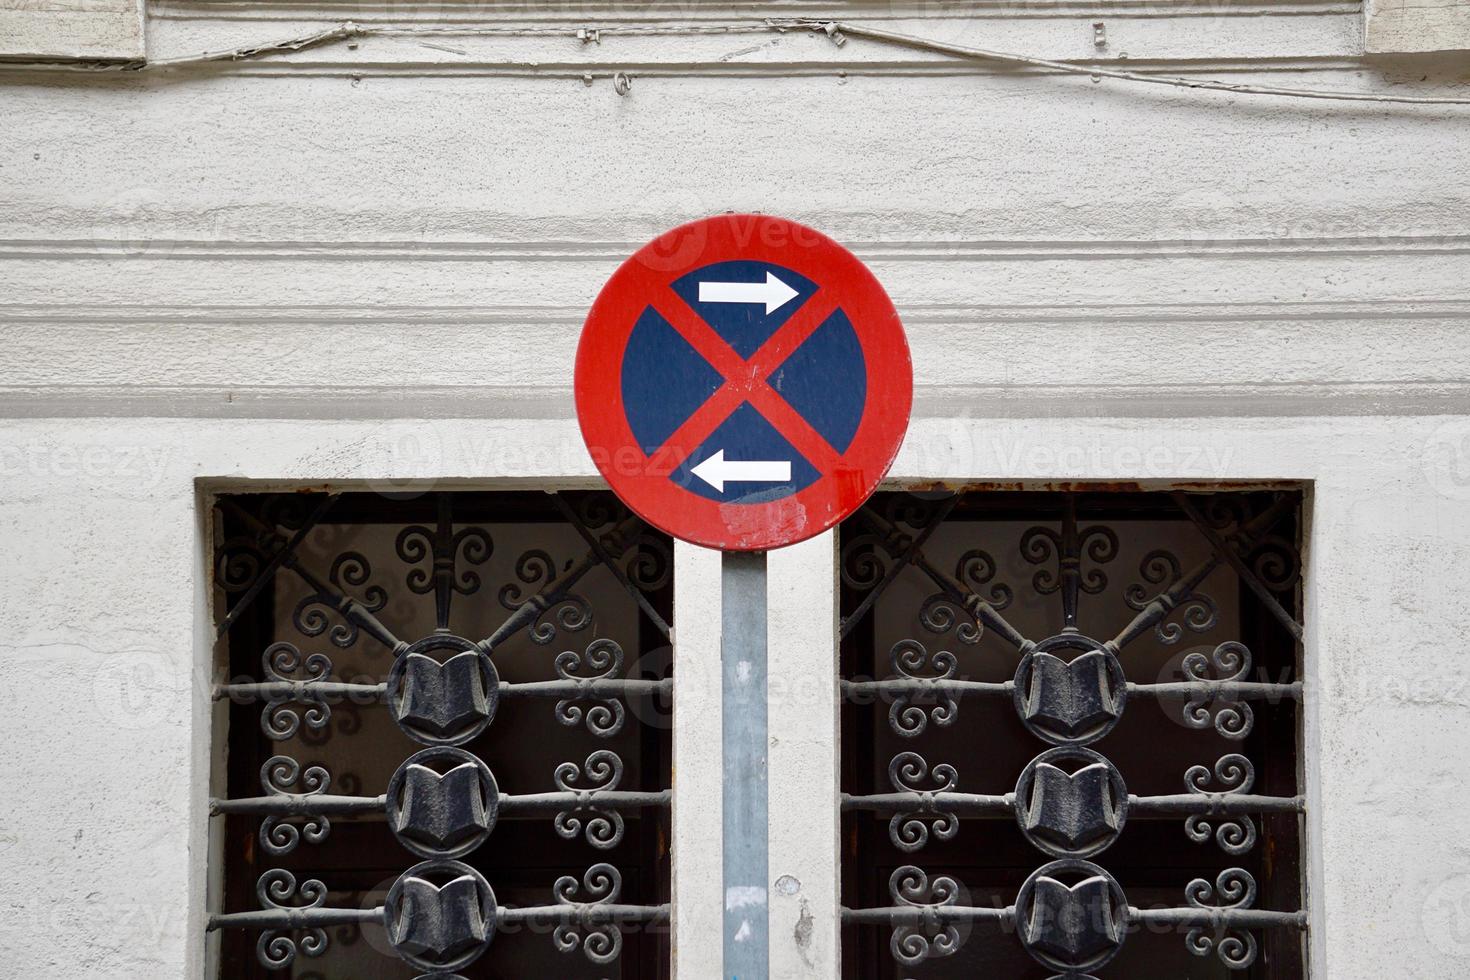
pixel 1181 690
pixel 972 805
pixel 966 804
pixel 293 918
pixel 924 685
pixel 307 691
pixel 585 913
pixel 609 799
pixel 918 914
pixel 1213 804
pixel 311 691
pixel 304 691
pixel 1225 690
pixel 1219 918
pixel 593 687
pixel 912 915
pixel 299 804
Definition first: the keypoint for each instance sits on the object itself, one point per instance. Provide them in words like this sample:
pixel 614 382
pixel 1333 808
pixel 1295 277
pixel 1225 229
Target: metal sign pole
pixel 743 728
pixel 815 399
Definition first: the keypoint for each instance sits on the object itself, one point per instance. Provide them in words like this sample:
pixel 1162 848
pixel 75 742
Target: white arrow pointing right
pixel 718 471
pixel 772 294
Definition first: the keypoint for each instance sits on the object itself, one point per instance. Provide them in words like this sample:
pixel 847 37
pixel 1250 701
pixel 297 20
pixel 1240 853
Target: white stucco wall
pixel 1396 26
pixel 62 29
pixel 365 265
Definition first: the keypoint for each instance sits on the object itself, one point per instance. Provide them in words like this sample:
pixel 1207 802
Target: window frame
pixel 437 546
pixel 893 547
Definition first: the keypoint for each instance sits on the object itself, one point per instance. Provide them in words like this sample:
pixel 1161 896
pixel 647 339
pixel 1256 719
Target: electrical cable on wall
pixel 837 31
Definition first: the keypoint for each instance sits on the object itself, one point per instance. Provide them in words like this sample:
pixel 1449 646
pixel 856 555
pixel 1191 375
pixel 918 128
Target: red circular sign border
pixel 738 526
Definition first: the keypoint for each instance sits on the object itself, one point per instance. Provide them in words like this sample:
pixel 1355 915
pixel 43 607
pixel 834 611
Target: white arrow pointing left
pixel 718 471
pixel 772 294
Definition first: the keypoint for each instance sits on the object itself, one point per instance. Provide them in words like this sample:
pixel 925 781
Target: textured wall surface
pixel 369 264
pixel 1400 26
pixel 86 29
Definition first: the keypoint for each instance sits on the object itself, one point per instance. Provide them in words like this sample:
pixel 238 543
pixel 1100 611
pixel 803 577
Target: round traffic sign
pixel 743 382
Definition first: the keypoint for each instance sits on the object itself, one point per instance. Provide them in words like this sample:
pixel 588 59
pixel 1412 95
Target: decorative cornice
pixel 686 11
pixel 323 402
pixel 914 314
pixel 592 251
pixel 333 399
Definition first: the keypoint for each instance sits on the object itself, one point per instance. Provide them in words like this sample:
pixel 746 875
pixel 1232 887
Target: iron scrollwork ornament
pixel 976 569
pixel 909 773
pixel 283 776
pixel 1236 834
pixel 942 612
pixel 1234 888
pixel 1232 717
pixel 276 889
pixel 599 939
pixel 1041 544
pixel 1277 563
pixel 603 660
pixel 912 661
pixel 537 571
pixel 933 936
pixel 865 561
pixel 602 827
pixel 244 557
pixel 939 614
pixel 350 570
pixel 445 549
pixel 280 662
pixel 239 563
pixel 1162 569
pixel 647 560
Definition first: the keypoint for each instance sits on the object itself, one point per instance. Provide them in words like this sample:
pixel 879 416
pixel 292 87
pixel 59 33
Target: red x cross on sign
pixel 797 434
pixel 745 380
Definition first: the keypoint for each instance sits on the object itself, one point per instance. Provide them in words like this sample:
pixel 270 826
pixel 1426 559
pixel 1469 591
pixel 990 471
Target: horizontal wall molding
pixel 684 11
pixel 1334 393
pixel 159 248
pixel 958 315
pixel 326 402
pixel 699 40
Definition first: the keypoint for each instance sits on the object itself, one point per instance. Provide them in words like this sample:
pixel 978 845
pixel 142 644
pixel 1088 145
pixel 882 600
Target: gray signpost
pixel 744 738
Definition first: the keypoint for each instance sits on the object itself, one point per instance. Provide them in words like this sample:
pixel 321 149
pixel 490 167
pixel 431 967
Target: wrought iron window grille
pixel 1069 691
pixel 442 691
